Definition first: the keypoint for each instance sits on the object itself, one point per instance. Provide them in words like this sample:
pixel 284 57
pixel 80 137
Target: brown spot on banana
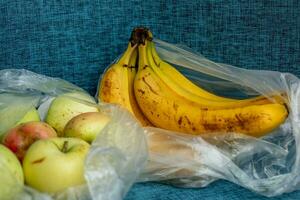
pixel 149 86
pixel 107 83
pixel 180 121
pixel 211 127
pixel 240 120
pixel 141 91
pixel 175 106
pixel 187 119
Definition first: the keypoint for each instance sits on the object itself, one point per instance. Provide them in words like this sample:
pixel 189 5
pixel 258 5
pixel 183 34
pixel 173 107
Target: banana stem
pixel 139 35
pixel 156 57
pixel 150 55
pixel 143 60
pixel 133 59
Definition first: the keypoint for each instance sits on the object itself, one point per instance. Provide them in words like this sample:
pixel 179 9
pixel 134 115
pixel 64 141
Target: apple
pixel 31 116
pixel 19 138
pixel 65 107
pixel 7 122
pixel 54 164
pixel 86 125
pixel 11 175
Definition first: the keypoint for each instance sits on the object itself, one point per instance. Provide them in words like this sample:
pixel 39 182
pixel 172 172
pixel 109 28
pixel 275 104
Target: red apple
pixel 19 139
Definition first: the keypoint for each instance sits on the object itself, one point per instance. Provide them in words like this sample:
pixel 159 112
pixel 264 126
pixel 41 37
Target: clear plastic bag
pixel 268 165
pixel 116 156
pixel 124 152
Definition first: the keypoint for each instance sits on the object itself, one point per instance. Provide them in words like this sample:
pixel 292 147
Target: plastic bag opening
pixel 267 165
pixel 115 158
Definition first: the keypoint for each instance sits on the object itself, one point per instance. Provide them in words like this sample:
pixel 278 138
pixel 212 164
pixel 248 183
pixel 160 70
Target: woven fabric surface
pixel 76 40
pixel 219 190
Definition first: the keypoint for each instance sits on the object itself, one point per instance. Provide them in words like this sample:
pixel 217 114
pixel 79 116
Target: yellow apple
pixel 54 164
pixel 86 125
pixel 31 116
pixel 11 176
pixel 65 107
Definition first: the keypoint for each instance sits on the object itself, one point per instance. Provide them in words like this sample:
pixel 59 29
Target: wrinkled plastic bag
pixel 269 165
pixel 116 156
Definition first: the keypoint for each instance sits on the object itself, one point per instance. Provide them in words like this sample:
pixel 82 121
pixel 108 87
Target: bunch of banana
pixel 168 72
pixel 172 102
pixel 159 95
pixel 116 85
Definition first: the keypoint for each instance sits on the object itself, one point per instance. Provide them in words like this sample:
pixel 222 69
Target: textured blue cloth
pixel 220 190
pixel 76 40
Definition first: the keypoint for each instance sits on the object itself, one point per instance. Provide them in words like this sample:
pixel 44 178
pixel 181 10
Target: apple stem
pixel 65 147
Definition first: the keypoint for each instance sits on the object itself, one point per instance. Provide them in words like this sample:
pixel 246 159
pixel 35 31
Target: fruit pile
pixel 49 155
pixel 157 94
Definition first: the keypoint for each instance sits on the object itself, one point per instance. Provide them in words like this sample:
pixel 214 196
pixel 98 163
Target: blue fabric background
pixel 76 40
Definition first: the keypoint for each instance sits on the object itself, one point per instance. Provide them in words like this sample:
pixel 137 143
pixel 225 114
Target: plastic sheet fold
pixel 116 156
pixel 268 165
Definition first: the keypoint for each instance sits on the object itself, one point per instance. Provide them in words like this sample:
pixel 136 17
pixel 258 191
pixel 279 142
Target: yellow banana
pixel 116 84
pixel 195 99
pixel 131 71
pixel 174 75
pixel 170 108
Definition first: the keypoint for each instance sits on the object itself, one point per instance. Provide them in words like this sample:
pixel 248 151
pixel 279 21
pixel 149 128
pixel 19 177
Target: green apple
pixel 8 120
pixel 31 116
pixel 65 107
pixel 54 164
pixel 86 125
pixel 11 175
